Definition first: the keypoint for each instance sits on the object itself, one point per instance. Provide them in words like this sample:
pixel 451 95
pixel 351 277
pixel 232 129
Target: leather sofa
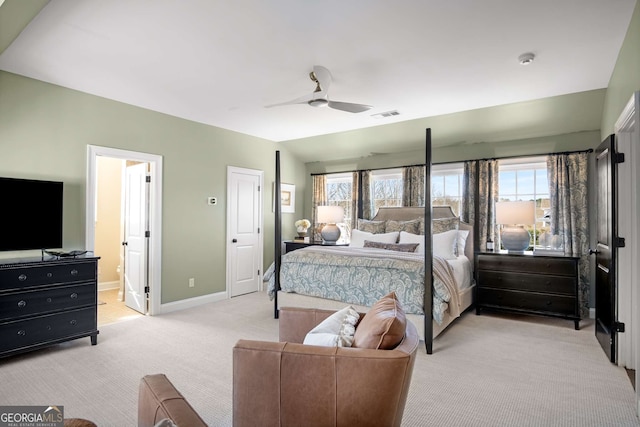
pixel 287 383
pixel 161 404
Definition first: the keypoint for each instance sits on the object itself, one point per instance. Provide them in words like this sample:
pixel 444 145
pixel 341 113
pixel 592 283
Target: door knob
pixel 124 243
pixel 593 251
pixel 234 241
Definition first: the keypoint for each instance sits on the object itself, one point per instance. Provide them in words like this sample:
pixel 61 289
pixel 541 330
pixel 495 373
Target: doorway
pixel 136 271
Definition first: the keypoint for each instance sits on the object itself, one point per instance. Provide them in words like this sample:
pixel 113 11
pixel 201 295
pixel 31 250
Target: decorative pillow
pixel 405 247
pixel 165 422
pixel 374 227
pixel 336 330
pixel 358 237
pixel 412 238
pixel 445 244
pixel 462 241
pixel 440 225
pixel 383 326
pixel 412 226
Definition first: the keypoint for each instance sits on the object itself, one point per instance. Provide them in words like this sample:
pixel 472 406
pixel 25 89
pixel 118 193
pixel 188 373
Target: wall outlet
pixel 192 282
pixel 212 200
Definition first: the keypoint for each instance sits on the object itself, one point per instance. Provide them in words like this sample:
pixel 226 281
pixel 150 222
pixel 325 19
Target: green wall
pixel 625 78
pixel 44 133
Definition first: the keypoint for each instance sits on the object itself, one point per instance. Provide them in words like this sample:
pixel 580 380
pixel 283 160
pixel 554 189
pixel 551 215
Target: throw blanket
pixel 363 275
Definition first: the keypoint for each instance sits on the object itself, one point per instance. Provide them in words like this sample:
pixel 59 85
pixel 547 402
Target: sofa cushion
pixel 336 330
pixel 383 326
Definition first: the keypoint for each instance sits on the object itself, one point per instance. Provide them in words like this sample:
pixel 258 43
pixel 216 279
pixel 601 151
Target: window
pixel 339 193
pixel 525 179
pixel 386 188
pixel 446 185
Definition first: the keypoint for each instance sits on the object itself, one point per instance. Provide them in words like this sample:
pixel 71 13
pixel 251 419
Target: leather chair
pixel 287 383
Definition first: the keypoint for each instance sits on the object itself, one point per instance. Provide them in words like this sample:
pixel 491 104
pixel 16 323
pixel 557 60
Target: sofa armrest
pixel 159 399
pixel 294 322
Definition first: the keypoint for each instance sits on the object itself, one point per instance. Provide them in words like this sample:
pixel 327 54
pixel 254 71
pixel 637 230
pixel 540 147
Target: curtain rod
pixel 590 150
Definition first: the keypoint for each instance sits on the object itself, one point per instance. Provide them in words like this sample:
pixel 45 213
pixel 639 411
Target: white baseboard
pixel 192 302
pixel 105 286
pixel 592 313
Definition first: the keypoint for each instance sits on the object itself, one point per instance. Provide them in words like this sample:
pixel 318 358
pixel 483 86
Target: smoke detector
pixel 526 58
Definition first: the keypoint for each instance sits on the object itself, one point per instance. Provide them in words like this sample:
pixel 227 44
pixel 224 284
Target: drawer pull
pixel 74 272
pixel 22 277
pixel 49 275
pixel 74 322
pixel 22 332
pixel 74 295
pixel 548 303
pixel 49 299
pixel 22 303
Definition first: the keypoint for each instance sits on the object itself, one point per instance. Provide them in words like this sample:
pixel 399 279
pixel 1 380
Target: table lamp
pixel 512 215
pixel 330 215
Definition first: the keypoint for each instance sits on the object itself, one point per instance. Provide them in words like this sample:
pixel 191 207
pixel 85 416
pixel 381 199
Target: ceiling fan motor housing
pixel 319 102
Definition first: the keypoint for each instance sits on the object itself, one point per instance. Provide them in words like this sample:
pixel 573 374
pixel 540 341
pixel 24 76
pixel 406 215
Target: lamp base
pixel 330 234
pixel 515 239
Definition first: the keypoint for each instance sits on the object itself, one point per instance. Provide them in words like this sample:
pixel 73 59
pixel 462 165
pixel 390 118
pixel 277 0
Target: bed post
pixel 428 250
pixel 277 253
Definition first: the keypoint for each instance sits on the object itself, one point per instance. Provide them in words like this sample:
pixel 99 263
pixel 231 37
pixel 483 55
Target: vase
pixel 302 233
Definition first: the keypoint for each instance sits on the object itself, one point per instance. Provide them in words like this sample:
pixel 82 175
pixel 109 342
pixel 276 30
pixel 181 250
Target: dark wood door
pixel 606 247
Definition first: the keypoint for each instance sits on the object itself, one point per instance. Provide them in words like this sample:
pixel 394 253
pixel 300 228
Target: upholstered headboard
pixel 409 213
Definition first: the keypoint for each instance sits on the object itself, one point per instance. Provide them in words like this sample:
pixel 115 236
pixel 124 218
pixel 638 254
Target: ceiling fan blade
pixel 301 100
pixel 349 107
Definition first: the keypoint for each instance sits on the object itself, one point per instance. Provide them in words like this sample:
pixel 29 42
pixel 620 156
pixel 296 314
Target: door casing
pixel 155 212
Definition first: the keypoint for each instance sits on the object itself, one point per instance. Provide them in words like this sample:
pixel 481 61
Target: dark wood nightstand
pixel 292 245
pixel 545 285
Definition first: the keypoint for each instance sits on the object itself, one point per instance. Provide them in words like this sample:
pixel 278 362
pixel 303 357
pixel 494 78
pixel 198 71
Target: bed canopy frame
pixel 428 252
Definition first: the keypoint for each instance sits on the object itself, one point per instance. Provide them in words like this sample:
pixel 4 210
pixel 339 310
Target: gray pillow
pixel 400 247
pixel 412 226
pixel 374 227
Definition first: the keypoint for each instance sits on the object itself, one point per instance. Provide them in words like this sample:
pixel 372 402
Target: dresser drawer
pixel 26 276
pixel 20 304
pixel 529 302
pixel 36 330
pixel 563 285
pixel 526 264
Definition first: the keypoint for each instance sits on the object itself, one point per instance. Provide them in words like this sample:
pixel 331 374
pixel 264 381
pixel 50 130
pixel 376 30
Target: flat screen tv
pixel 30 214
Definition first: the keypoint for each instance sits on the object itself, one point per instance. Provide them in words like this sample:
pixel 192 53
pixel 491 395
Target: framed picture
pixel 287 198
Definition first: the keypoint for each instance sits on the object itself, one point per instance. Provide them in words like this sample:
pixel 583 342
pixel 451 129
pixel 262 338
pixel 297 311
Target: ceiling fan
pixel 319 97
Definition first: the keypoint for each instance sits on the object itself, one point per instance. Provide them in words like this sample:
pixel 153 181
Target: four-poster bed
pixel 327 277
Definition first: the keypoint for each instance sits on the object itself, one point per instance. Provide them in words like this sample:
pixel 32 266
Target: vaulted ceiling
pixel 221 63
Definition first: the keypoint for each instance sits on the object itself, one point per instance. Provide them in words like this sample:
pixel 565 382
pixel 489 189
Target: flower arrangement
pixel 302 224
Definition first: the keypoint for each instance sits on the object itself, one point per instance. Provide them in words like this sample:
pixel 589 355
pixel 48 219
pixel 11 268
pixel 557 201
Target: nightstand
pixel 544 285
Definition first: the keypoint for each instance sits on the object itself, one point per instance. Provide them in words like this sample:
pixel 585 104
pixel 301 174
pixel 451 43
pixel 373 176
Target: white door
pixel 244 238
pixel 135 241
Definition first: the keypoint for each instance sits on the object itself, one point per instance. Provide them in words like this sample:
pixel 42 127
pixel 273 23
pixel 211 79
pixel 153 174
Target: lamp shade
pixel 330 214
pixel 515 212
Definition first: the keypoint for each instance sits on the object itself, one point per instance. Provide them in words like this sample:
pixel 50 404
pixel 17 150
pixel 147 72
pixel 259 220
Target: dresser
pixel 545 285
pixel 47 301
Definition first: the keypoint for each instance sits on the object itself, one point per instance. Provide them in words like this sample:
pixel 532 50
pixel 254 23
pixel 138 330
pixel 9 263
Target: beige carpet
pixel 488 370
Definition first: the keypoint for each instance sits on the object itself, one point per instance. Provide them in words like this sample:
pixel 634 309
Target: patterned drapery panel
pixel 367 208
pixel 569 197
pixel 480 182
pixel 319 188
pixel 413 178
pixel 355 179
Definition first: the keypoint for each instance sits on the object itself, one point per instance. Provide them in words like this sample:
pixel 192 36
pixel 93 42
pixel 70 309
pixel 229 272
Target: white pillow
pixel 413 238
pixel 445 244
pixel 462 241
pixel 336 330
pixel 358 237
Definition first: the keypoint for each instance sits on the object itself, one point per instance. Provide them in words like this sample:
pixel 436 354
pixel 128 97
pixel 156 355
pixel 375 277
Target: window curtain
pixel 480 186
pixel 319 188
pixel 353 221
pixel 413 178
pixel 568 193
pixel 367 206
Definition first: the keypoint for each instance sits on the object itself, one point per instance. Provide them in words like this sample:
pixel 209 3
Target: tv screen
pixel 31 214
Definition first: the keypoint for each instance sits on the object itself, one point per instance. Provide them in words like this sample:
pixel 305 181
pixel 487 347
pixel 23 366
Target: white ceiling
pixel 220 62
